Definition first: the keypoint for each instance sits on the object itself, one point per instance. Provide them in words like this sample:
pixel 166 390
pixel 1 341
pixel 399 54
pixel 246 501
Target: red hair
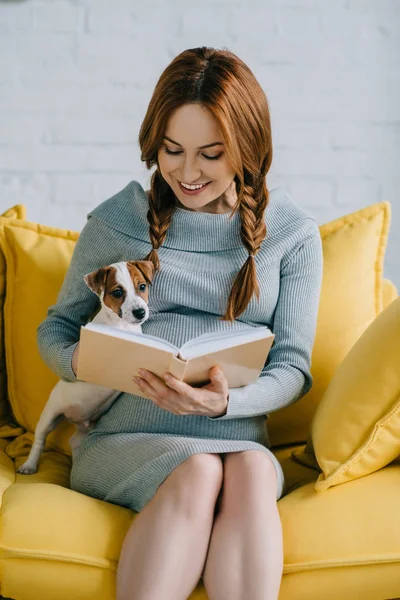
pixel 221 82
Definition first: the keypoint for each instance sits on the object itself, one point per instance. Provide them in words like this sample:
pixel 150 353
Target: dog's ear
pixel 96 281
pixel 146 267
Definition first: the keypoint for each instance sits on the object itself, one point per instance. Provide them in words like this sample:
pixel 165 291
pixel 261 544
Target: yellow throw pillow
pixel 37 259
pixel 15 212
pixel 351 298
pixel 390 292
pixel 356 428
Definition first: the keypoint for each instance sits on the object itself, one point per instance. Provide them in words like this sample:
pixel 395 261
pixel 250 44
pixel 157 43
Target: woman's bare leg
pixel 245 557
pixel 164 551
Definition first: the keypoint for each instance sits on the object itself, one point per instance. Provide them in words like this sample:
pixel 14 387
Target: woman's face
pixel 190 127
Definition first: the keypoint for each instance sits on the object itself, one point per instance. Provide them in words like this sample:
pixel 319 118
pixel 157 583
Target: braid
pixel 159 215
pixel 252 231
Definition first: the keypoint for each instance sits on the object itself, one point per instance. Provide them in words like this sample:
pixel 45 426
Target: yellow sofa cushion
pixel 390 292
pixel 343 544
pixel 351 298
pixel 356 428
pixel 51 534
pixel 15 212
pixel 37 258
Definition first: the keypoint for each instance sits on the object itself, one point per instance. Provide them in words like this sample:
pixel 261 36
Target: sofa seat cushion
pixel 50 533
pixel 343 542
pixel 58 543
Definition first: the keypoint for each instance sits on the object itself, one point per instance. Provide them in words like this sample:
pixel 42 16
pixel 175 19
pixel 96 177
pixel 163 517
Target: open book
pixel 110 356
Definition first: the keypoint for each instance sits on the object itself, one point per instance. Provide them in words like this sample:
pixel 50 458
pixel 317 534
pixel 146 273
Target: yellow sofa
pixel 56 544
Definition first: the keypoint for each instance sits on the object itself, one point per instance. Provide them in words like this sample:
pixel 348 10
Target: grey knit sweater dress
pixel 135 445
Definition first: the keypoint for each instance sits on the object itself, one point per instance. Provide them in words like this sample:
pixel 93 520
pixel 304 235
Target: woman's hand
pixel 179 398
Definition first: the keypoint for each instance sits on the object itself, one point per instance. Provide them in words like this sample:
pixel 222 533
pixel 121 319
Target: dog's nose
pixel 139 313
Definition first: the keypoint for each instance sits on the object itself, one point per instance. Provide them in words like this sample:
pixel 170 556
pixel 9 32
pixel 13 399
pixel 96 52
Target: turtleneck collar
pixel 189 230
pixel 199 231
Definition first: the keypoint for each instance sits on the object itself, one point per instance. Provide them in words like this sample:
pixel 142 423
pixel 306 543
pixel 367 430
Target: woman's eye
pixel 142 287
pixel 180 152
pixel 117 293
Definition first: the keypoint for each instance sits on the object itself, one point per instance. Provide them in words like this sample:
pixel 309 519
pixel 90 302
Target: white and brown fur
pixel 123 291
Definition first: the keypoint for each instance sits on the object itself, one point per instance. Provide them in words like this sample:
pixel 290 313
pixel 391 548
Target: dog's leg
pixel 31 463
pixel 49 419
pixel 82 428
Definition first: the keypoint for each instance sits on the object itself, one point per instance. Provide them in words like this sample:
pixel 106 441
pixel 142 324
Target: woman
pixel 196 462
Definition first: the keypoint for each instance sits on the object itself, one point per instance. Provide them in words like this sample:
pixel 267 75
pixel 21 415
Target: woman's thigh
pixel 196 482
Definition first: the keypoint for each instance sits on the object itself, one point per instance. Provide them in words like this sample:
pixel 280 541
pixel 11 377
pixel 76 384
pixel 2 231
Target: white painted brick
pixel 16 16
pixel 373 136
pixel 356 106
pixel 90 188
pixel 111 59
pixel 113 159
pixel 73 188
pixel 322 162
pixel 298 25
pixel 356 193
pixel 196 26
pixel 300 134
pixel 76 77
pixel 101 20
pixel 325 214
pixel 385 7
pixel 90 130
pixel 70 217
pixel 58 16
pixel 136 20
pixel 21 129
pixel 312 193
pixel 34 48
pixel 23 157
pixel 25 188
pixel 389 191
pixel 104 99
pixel 260 21
pixel 274 47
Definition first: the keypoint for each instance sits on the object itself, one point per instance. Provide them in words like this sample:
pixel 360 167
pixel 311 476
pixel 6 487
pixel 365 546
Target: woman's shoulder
pixel 284 214
pixel 130 198
pixel 126 210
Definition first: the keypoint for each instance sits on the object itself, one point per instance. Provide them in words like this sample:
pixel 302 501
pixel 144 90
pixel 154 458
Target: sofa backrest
pixel 37 257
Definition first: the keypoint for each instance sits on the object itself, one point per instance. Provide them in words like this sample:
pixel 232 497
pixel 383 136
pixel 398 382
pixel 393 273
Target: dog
pixel 122 288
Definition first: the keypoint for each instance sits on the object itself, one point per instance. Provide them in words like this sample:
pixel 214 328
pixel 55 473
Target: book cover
pixel 112 358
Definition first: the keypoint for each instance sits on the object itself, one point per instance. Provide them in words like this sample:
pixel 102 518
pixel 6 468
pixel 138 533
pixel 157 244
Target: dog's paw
pixel 27 469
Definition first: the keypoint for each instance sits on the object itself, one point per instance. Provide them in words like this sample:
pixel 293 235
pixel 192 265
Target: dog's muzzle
pixel 139 313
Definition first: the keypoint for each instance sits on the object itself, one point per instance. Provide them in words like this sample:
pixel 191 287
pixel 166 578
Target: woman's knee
pixel 195 483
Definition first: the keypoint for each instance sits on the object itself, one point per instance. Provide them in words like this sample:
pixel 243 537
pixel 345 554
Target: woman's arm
pixel 286 377
pixel 58 335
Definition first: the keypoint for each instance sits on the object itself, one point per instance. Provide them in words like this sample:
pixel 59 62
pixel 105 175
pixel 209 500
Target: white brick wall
pixel 76 77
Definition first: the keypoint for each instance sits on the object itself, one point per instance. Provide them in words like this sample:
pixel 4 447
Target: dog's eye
pixel 142 287
pixel 117 293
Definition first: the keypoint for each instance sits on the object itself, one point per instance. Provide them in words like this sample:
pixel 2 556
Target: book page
pixel 141 338
pixel 219 340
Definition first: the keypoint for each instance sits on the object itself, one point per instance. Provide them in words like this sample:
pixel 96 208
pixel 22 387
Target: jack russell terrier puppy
pixel 122 288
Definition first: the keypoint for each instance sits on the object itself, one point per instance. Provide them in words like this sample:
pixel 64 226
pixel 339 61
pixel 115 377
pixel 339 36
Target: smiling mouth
pixel 205 183
pixel 195 191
